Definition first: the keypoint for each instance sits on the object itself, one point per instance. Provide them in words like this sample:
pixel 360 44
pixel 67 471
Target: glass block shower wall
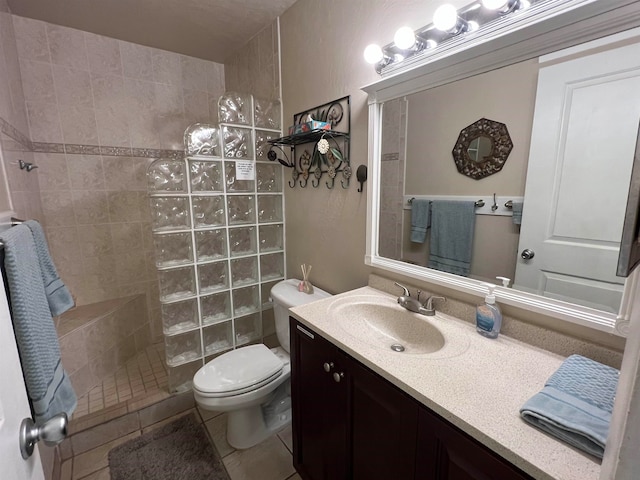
pixel 218 228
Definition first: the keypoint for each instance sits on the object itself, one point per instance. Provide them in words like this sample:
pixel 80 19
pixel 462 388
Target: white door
pixel 582 147
pixel 14 405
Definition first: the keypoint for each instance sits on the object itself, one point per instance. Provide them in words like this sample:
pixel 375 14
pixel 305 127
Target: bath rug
pixel 178 450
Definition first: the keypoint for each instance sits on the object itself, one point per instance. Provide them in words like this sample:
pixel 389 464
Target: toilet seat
pixel 238 371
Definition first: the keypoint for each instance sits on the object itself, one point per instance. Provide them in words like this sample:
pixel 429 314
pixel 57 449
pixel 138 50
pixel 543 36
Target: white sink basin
pixel 383 324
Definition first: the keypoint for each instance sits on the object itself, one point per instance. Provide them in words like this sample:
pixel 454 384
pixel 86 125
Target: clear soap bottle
pixel 488 315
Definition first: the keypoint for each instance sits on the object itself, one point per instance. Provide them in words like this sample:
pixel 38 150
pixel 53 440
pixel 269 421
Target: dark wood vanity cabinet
pixel 446 453
pixel 350 423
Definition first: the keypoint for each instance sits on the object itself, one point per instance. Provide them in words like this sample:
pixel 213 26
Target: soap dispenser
pixel 488 315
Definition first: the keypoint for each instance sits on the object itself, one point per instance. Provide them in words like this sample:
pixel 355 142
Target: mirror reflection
pixel 573 130
pixel 480 149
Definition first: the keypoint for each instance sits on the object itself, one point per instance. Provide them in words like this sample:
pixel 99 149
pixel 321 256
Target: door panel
pixel 582 147
pixel 14 405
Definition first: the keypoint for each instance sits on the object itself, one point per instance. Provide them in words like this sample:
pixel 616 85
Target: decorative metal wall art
pixel 318 144
pixel 482 148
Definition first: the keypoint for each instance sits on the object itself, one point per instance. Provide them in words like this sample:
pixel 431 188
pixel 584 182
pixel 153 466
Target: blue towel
pixel 420 219
pixel 452 227
pixel 48 385
pixel 575 404
pixel 57 293
pixel 516 208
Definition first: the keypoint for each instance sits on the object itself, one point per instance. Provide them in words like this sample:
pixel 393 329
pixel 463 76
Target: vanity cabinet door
pixel 320 406
pixel 445 453
pixel 385 428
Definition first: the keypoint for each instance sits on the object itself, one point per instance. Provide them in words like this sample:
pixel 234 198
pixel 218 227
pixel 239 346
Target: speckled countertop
pixel 478 384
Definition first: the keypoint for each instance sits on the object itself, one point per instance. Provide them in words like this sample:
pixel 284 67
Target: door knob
pixel 52 432
pixel 327 366
pixel 338 376
pixel 527 254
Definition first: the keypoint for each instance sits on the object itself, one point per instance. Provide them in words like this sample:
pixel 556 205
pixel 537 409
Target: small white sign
pixel 245 170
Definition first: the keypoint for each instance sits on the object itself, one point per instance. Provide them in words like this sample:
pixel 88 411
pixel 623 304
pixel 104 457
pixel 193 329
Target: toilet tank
pixel 285 295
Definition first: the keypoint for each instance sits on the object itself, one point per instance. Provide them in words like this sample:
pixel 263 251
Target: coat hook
pixel 361 176
pixel 494 207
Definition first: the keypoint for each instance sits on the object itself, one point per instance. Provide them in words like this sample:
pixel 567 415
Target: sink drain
pixel 396 347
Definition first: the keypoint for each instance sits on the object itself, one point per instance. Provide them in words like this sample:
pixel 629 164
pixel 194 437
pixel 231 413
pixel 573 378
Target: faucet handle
pixel 406 291
pixel 419 293
pixel 429 303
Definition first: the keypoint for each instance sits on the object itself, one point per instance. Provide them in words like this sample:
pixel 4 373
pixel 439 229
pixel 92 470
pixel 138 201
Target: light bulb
pixel 373 53
pixel 494 4
pixel 445 17
pixel 404 38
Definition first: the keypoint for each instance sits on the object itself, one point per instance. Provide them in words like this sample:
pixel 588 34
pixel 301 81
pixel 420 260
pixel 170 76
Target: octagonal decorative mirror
pixel 482 148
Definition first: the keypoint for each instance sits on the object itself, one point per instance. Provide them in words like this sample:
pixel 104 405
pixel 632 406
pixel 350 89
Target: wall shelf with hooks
pixel 311 160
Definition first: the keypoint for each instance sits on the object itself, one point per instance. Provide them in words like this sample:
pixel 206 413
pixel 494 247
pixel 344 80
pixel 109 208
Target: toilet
pixel 252 383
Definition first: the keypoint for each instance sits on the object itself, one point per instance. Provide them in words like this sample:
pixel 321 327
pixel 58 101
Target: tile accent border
pixel 74 149
pixel 15 134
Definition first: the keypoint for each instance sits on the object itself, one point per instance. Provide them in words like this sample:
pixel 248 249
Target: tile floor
pixel 144 374
pixel 270 460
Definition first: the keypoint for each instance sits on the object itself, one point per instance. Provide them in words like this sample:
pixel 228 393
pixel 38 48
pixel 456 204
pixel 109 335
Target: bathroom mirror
pixel 400 100
pixel 482 149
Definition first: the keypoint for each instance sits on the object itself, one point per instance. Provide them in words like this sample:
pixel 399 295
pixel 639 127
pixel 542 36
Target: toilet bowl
pixel 251 383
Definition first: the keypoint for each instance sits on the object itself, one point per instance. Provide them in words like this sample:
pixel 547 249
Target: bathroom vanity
pixel 364 411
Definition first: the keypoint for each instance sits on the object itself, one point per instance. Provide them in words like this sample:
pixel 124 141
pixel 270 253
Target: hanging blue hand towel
pixel 517 213
pixel 452 227
pixel 48 385
pixel 576 403
pixel 420 219
pixel 58 296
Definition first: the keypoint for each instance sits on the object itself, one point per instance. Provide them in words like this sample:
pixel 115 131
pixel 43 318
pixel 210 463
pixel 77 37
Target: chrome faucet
pixel 414 305
pixel 407 302
pixel 428 308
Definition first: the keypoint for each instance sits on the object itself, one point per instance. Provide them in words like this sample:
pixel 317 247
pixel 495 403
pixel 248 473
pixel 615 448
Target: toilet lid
pixel 238 371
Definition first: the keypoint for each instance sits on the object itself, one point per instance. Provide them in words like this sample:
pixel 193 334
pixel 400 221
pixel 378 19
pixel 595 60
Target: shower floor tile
pixel 143 375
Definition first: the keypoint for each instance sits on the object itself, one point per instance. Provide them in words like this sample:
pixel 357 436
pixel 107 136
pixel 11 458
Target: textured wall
pixel 322 45
pixel 92 94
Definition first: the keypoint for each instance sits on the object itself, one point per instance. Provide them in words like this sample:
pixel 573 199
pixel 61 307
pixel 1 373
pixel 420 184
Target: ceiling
pixel 209 29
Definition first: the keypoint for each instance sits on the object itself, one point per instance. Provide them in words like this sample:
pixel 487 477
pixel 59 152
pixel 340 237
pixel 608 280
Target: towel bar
pixel 479 203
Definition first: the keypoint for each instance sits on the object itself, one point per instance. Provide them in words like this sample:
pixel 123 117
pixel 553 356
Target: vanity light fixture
pixel 503 6
pixel 405 38
pixel 373 54
pixel 446 19
pixel 448 23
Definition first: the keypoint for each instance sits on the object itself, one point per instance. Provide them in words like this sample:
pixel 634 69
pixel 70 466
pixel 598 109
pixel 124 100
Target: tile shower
pixel 93 113
pixel 218 231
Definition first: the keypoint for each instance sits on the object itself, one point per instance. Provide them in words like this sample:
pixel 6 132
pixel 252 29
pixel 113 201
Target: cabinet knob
pixel 328 366
pixel 338 376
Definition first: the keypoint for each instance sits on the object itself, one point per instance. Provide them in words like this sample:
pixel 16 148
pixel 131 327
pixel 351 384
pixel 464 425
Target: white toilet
pixel 252 383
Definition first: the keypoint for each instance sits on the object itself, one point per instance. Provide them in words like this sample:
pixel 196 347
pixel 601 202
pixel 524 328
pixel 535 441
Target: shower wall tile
pixel 104 54
pixel 37 81
pixel 72 86
pixel 126 237
pixel 78 124
pixel 31 39
pixel 85 172
pixel 253 68
pixel 90 206
pixel 88 90
pixel 136 61
pixel 95 240
pixel 44 119
pixel 67 46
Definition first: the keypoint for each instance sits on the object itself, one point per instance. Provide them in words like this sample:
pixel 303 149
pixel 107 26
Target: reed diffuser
pixel 305 286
